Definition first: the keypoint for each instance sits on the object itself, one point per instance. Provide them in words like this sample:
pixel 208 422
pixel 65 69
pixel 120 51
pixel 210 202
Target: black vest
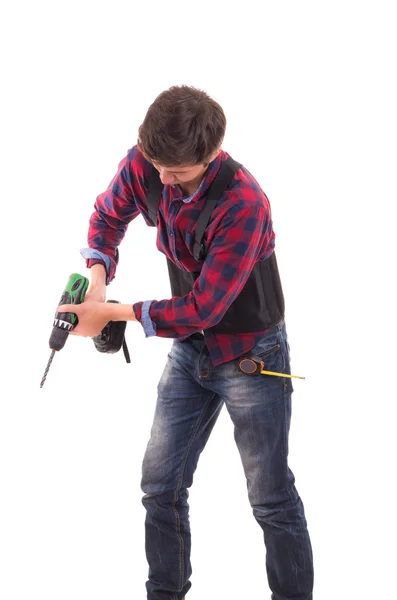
pixel 260 304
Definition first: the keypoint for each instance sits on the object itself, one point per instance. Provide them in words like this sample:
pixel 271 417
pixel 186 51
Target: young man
pixel 215 228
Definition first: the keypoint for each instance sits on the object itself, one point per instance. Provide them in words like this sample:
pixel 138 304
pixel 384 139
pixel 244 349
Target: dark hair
pixel 183 126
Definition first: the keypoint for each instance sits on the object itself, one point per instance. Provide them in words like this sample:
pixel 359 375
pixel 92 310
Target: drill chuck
pixel 58 337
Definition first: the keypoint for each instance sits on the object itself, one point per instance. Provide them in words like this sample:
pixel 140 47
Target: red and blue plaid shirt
pixel 239 234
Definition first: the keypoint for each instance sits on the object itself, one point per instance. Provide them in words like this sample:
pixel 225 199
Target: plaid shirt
pixel 239 234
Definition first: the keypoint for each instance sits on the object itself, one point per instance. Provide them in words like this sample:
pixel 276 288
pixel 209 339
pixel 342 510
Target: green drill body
pixel 74 293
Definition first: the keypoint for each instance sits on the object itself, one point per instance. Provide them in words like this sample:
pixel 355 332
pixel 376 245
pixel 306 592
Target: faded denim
pixel 191 394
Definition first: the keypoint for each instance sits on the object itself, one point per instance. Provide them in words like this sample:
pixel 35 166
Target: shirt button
pixel 171 234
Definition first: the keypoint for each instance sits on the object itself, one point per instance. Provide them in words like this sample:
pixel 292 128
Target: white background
pixel 308 89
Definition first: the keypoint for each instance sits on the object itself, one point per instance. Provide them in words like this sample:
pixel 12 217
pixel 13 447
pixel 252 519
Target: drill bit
pixel 47 368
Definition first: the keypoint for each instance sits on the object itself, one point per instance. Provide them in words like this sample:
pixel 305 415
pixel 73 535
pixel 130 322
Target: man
pixel 227 305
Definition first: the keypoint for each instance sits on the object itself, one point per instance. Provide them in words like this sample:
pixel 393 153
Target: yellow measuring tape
pixel 281 374
pixel 253 365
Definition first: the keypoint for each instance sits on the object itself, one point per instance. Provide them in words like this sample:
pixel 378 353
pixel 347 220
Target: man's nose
pixel 166 178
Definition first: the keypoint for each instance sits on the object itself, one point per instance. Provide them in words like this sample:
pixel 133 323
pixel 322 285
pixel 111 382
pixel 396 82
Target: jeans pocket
pixel 271 353
pixel 268 351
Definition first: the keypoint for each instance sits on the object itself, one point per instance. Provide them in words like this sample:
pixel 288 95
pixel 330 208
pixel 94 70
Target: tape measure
pixel 253 365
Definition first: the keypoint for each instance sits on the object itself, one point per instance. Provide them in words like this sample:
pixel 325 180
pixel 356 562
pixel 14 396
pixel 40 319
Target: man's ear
pixel 213 157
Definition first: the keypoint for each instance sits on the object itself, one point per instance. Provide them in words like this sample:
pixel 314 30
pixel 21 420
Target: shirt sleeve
pixel 94 257
pixel 115 208
pixel 244 236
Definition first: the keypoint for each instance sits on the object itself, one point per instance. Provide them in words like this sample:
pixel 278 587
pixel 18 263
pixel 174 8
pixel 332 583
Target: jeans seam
pixel 179 485
pixel 207 373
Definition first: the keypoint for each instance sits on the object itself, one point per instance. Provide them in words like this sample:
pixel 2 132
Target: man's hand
pixel 92 316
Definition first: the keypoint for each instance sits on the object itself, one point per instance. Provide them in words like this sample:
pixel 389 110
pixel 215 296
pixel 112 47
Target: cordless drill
pixel 74 293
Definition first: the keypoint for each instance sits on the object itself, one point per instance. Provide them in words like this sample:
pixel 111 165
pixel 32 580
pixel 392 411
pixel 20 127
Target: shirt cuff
pixel 148 326
pixel 91 253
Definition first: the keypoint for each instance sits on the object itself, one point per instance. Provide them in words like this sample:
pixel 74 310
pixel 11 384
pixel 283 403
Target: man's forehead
pixel 178 169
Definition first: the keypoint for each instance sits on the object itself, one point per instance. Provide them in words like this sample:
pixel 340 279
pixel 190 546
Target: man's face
pixel 175 175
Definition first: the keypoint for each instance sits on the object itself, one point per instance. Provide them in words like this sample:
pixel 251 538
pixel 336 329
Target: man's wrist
pixel 119 312
pixel 98 275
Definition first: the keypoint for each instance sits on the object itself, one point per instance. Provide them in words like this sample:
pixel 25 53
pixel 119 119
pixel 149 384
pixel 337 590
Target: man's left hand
pixel 92 316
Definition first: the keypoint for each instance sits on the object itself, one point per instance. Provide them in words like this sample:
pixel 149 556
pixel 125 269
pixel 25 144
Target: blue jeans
pixel 191 394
